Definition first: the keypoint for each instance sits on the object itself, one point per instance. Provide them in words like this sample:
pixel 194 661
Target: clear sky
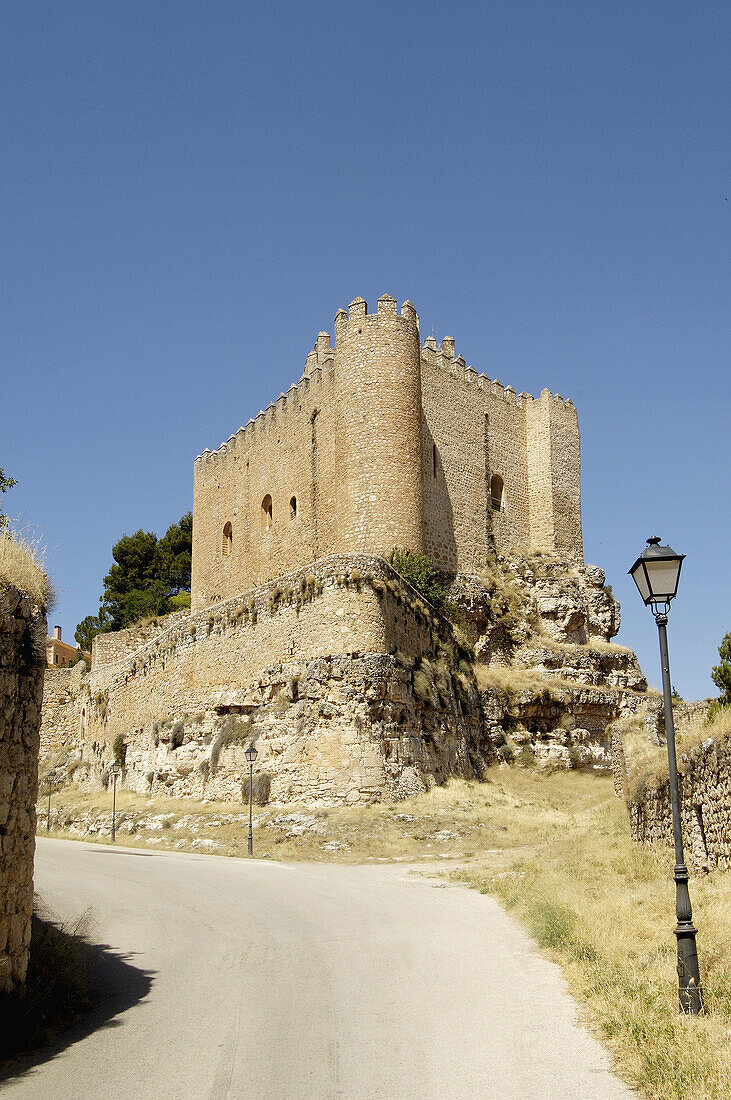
pixel 190 190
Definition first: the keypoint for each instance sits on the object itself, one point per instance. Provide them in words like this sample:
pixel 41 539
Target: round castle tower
pixel 379 497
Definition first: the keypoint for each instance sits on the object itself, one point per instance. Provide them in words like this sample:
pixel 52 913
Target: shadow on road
pixel 74 987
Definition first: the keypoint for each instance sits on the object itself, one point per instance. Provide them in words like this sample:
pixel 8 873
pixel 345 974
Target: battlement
pixel 350 323
pixel 320 366
pixel 278 414
pixel 385 441
pixel 442 356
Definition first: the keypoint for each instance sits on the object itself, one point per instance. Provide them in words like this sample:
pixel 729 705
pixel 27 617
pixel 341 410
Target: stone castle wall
pixel 22 660
pixel 237 657
pixel 352 686
pixel 108 649
pixel 384 443
pixel 59 728
pixel 705 805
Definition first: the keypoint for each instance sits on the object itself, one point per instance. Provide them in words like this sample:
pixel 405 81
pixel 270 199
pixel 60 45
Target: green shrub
pixel 526 757
pixel 260 788
pixel 119 749
pixel 422 574
pixel 574 757
pixel 177 734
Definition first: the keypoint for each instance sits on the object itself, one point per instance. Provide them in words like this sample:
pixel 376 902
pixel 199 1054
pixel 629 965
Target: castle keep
pixel 385 442
pixel 301 635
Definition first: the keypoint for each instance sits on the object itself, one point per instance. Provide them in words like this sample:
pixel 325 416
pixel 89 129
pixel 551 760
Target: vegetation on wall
pixel 5 484
pixel 20 565
pixel 422 574
pixel 721 676
pixel 149 576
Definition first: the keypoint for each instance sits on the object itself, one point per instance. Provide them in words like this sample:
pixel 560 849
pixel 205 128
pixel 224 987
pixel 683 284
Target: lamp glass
pixel 251 754
pixel 640 578
pixel 663 577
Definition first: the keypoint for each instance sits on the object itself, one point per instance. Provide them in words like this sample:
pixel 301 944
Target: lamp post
pixel 251 755
pixel 49 781
pixel 656 573
pixel 115 769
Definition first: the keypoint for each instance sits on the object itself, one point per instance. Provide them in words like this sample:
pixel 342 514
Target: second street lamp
pixel 251 755
pixel 49 780
pixel 656 573
pixel 115 769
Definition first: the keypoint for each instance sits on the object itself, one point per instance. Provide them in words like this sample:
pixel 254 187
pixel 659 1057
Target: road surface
pixel 253 979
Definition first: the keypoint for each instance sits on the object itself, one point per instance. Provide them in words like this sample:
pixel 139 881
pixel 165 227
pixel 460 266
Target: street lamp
pixel 49 780
pixel 656 573
pixel 251 755
pixel 115 769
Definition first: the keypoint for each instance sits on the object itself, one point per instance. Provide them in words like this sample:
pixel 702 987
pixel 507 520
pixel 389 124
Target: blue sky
pixel 191 190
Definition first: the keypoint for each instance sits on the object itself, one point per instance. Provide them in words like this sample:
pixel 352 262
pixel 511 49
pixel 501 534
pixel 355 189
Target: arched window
pixel 496 493
pixel 228 539
pixel 293 508
pixel 266 512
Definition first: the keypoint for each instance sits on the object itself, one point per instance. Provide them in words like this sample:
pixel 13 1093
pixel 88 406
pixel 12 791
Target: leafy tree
pixel 721 676
pixel 88 629
pixel 133 588
pixel 148 577
pixel 5 483
pixel 173 555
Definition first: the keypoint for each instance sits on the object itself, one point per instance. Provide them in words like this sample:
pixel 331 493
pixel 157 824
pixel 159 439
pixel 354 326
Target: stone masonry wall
pixel 383 443
pixel 344 607
pixel 22 659
pixel 108 649
pixel 705 803
pixel 59 727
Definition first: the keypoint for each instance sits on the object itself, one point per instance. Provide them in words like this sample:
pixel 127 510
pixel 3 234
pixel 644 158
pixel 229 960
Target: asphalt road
pixel 253 979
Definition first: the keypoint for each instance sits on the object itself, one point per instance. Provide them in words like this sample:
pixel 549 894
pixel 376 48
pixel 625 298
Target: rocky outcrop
pixel 355 689
pixel 22 657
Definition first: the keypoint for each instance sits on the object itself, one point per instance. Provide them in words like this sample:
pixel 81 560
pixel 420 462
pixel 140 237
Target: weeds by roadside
pixel 555 850
pixel 57 990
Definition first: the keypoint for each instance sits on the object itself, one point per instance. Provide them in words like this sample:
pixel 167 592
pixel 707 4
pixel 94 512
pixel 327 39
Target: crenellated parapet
pixel 442 357
pixel 386 441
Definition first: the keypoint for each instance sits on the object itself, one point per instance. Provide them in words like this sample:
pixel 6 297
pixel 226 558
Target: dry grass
pixel 21 567
pixel 508 681
pixel 555 849
pixel 647 763
pixel 603 908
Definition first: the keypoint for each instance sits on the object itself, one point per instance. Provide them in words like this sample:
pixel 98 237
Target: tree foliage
pixel 721 675
pixel 422 574
pixel 148 577
pixel 5 484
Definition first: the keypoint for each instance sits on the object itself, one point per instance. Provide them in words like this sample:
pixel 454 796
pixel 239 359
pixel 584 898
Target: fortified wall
pixel 22 659
pixel 317 667
pixel 382 443
pixel 352 686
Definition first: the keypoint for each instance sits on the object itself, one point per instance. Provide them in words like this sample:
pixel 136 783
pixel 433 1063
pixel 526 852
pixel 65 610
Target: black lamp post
pixel 656 573
pixel 251 755
pixel 49 781
pixel 115 769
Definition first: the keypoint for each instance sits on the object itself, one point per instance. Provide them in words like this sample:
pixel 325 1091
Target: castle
pixel 385 443
pixel 302 636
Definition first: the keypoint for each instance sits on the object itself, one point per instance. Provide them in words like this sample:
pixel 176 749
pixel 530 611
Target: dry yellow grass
pixel 555 849
pixel 21 567
pixel 511 680
pixel 647 764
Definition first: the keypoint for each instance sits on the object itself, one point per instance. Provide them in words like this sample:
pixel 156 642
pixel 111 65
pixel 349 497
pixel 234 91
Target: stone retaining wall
pixel 22 659
pixel 705 799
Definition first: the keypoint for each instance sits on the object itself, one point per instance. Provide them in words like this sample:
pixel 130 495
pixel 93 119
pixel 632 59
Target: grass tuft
pixel 21 566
